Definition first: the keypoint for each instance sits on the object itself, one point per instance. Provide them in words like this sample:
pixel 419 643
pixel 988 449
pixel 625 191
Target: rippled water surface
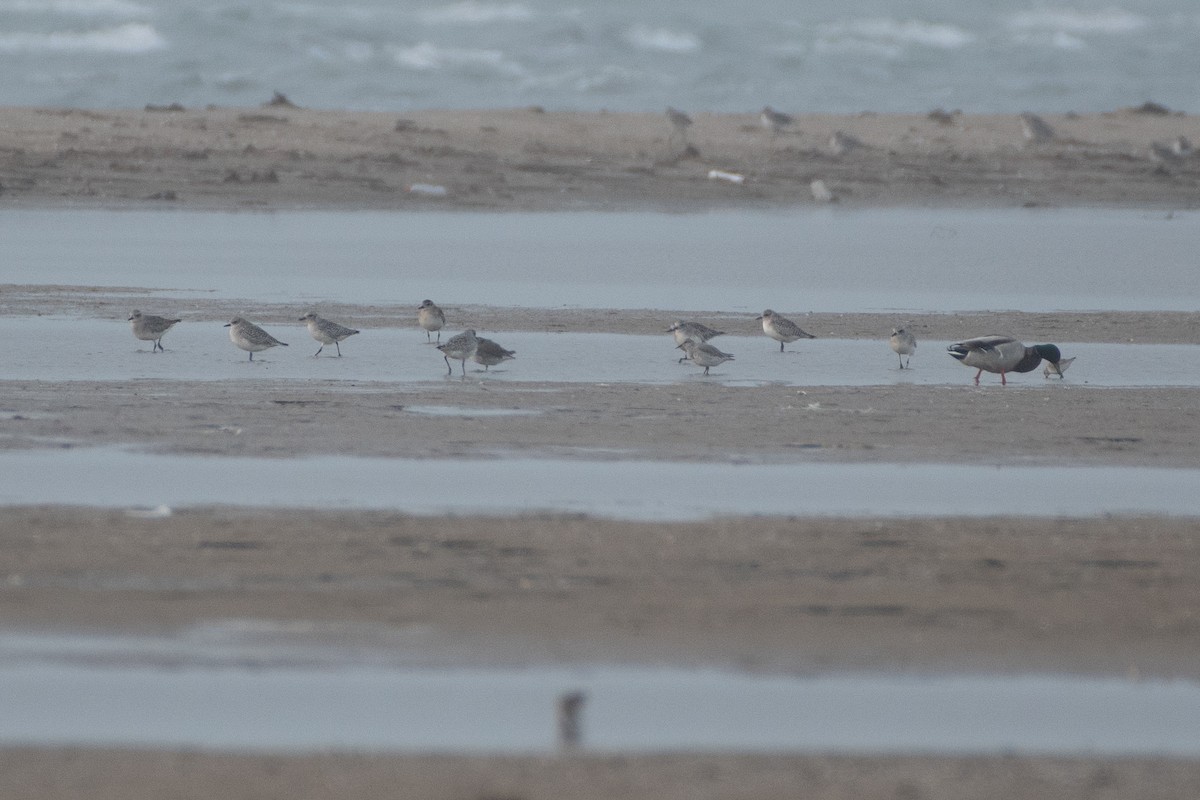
pixel 820 55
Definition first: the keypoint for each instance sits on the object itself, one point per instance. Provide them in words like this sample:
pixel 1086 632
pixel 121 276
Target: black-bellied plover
pixel 459 347
pixel 704 355
pixel 489 354
pixel 1002 354
pixel 326 332
pixel 781 329
pixel 250 337
pixel 903 344
pixel 150 328
pixel 685 330
pixel 431 318
pixel 680 122
pixel 774 121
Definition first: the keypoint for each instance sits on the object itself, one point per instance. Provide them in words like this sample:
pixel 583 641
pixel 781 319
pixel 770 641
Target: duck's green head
pixel 1049 352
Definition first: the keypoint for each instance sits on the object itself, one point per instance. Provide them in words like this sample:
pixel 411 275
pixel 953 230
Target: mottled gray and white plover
pixel 781 329
pixel 459 347
pixel 431 318
pixel 326 332
pixel 150 328
pixel 250 337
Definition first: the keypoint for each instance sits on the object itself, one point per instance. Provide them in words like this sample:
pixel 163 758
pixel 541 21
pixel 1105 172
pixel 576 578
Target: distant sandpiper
pixel 459 347
pixel 250 337
pixel 680 122
pixel 774 121
pixel 781 329
pixel 150 328
pixel 903 344
pixel 326 332
pixel 704 355
pixel 431 318
pixel 489 354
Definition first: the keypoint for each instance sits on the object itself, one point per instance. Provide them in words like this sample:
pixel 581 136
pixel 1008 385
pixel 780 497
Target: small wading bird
pixel 686 331
pixel 150 328
pixel 326 332
pixel 903 344
pixel 250 337
pixel 781 329
pixel 704 355
pixel 489 353
pixel 774 121
pixel 1003 354
pixel 459 347
pixel 431 318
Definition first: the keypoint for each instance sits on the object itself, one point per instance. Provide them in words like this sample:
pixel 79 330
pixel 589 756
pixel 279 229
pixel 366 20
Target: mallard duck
pixel 903 344
pixel 1002 354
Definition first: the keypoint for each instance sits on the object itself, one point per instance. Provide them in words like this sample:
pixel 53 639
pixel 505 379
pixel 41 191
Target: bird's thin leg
pixel 1003 382
pixel 339 349
pixel 781 347
pixel 319 349
pixel 977 374
pixel 449 369
pixel 251 355
pixel 900 358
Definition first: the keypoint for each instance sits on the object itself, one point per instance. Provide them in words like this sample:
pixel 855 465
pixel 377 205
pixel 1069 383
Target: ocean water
pixel 626 55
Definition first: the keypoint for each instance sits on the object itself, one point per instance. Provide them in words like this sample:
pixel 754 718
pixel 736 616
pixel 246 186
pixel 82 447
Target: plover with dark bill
pixel 781 329
pixel 903 344
pixel 489 354
pixel 150 328
pixel 431 318
pixel 459 347
pixel 250 337
pixel 326 332
pixel 704 355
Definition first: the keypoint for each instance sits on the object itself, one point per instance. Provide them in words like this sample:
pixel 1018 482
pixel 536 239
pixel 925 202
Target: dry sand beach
pixel 1112 596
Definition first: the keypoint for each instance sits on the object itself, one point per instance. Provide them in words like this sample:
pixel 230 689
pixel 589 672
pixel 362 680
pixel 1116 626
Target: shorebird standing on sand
pixel 431 318
pixel 903 344
pixel 326 332
pixel 1003 354
pixel 781 329
pixel 704 355
pixel 1035 129
pixel 150 328
pixel 774 121
pixel 680 122
pixel 459 347
pixel 250 337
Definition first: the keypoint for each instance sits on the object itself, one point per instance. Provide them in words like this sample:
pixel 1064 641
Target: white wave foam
pixel 1110 21
pixel 890 36
pixel 661 39
pixel 132 39
pixel 428 57
pixel 475 13
pixel 78 8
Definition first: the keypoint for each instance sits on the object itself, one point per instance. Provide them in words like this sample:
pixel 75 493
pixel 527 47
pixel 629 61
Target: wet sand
pixel 526 159
pixel 1106 596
